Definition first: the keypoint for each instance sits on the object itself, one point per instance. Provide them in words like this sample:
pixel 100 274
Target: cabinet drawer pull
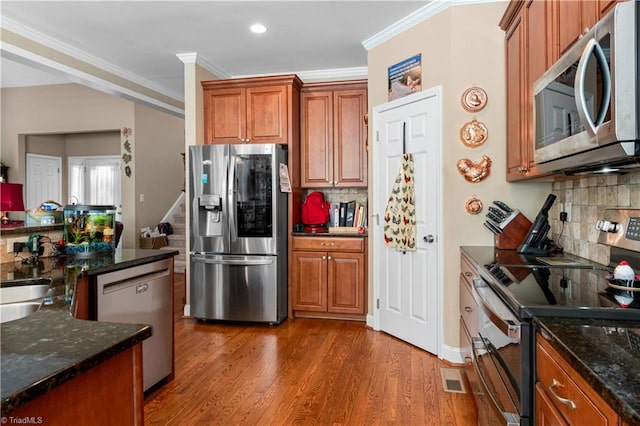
pixel 552 388
pixel 468 309
pixel 468 360
pixel 468 274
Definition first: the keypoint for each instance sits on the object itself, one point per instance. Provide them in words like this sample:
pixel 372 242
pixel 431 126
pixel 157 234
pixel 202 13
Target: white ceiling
pixel 142 38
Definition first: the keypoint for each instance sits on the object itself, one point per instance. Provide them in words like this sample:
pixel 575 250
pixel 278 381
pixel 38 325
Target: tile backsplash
pixel 585 200
pixel 336 195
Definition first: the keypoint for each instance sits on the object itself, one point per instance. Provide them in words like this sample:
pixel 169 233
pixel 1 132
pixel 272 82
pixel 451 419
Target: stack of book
pixel 348 216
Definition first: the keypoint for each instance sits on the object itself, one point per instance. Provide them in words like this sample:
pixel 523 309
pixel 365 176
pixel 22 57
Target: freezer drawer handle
pixel 233 261
pixel 134 281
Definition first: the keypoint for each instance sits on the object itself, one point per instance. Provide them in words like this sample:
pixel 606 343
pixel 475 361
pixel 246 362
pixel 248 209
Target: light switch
pixel 142 198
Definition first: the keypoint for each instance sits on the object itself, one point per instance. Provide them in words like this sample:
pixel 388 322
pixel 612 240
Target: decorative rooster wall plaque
pixel 474 172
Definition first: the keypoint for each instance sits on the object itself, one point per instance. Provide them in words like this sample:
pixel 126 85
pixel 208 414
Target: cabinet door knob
pixel 428 239
pixel 329 257
pixel 324 257
pixel 468 309
pixel 468 274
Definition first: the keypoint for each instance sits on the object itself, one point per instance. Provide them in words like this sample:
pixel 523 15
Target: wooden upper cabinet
pixel 334 134
pixel 516 146
pixel 571 19
pixel 350 136
pixel 528 55
pixel 249 110
pixel 316 122
pixel 267 117
pixel 225 116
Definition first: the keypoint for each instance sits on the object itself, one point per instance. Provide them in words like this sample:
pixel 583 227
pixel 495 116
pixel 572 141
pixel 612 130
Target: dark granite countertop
pixel 606 354
pixel 21 230
pixel 50 347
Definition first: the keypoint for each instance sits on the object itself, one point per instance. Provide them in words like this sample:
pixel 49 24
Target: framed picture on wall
pixel 405 77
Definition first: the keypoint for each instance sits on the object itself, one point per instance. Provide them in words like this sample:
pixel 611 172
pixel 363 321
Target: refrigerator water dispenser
pixel 212 205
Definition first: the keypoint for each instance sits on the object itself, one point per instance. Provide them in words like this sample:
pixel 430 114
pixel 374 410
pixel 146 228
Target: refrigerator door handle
pixel 240 262
pixel 231 208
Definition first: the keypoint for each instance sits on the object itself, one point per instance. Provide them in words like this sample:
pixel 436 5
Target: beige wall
pixel 72 108
pixel 461 47
pixel 88 144
pixel 159 171
pixel 56 109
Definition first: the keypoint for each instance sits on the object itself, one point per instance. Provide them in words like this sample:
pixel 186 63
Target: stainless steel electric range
pixel 512 289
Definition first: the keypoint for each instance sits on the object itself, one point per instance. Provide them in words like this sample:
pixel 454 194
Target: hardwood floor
pixel 303 371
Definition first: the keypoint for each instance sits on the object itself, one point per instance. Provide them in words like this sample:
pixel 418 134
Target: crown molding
pixel 194 58
pixel 38 37
pixel 420 15
pixel 317 75
pixel 188 58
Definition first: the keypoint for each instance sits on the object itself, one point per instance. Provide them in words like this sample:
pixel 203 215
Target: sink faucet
pixel 76 198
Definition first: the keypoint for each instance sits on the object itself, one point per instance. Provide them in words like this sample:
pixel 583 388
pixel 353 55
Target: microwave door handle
pixel 581 100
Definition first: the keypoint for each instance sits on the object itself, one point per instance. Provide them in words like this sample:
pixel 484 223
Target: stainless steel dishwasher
pixel 143 295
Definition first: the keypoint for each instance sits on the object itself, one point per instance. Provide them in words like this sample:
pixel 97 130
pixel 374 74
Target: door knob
pixel 428 239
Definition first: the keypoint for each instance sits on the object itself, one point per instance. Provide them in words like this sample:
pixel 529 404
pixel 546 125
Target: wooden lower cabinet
pixel 111 393
pixel 328 277
pixel 563 397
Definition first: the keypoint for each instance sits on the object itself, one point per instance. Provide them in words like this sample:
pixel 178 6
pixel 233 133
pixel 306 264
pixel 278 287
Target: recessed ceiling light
pixel 258 28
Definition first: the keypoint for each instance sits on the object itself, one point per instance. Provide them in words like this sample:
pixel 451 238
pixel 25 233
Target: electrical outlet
pixel 11 241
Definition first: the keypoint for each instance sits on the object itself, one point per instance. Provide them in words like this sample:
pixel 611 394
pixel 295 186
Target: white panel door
pixel 407 285
pixel 43 180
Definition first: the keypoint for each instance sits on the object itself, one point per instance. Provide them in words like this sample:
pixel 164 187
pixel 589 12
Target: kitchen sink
pixel 23 290
pixel 19 298
pixel 14 311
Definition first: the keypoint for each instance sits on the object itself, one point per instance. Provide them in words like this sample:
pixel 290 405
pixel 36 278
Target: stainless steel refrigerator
pixel 238 233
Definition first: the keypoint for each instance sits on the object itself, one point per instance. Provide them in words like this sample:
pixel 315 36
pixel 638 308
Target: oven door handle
pixel 511 419
pixel 509 326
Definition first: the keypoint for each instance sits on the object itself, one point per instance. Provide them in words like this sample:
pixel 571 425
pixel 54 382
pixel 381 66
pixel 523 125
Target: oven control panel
pixel 620 228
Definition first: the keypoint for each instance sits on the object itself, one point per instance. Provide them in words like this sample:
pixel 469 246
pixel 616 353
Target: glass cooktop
pixel 580 289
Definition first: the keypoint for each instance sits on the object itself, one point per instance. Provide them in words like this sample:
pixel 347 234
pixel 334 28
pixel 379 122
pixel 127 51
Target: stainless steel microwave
pixel 587 105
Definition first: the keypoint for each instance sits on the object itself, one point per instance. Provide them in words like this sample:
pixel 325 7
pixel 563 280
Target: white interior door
pixel 43 178
pixel 407 285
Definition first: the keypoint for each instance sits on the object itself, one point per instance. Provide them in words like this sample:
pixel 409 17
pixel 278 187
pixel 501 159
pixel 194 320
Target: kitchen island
pixel 51 352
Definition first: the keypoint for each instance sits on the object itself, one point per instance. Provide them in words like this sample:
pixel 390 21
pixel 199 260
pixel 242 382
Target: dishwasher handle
pixel 139 281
